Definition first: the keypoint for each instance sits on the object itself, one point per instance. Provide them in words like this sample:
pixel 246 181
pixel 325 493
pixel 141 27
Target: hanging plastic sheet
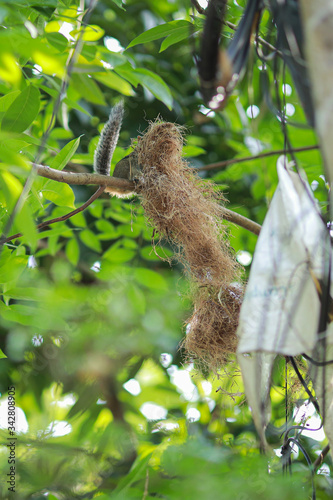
pixel 281 307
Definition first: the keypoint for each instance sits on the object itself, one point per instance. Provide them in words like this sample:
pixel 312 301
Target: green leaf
pixel 25 224
pixel 26 293
pixel 64 156
pixel 90 240
pixel 137 471
pixel 193 151
pixel 115 82
pixel 88 89
pixel 7 100
pixel 160 32
pixel 74 105
pixel 10 187
pixel 107 230
pixel 148 253
pixel 132 230
pixel 96 209
pixel 2 354
pixel 90 33
pixel 22 112
pixel 58 41
pixel 11 266
pixel 79 220
pixel 73 251
pixel 156 85
pixel 56 229
pixel 150 278
pixel 178 35
pixel 113 58
pixel 119 4
pixel 151 81
pixel 59 193
pixel 119 255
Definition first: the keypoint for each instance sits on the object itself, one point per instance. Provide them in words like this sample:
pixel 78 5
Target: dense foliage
pixel 91 318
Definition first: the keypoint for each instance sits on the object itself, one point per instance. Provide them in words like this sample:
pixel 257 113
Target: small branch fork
pixel 97 193
pixel 113 182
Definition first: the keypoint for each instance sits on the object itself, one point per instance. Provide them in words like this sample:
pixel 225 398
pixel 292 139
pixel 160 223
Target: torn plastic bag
pixel 281 307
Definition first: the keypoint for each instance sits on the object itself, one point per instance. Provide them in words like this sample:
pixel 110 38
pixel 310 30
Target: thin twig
pixel 319 460
pixel 120 185
pixel 145 493
pixel 97 193
pixel 226 163
pixel 242 221
pixel 127 186
pixel 261 40
pixel 198 7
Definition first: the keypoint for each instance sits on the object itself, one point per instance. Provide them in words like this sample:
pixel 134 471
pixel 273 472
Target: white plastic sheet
pixel 281 307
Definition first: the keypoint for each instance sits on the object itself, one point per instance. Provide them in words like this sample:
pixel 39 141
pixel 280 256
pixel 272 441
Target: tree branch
pixel 319 460
pixel 126 186
pixel 114 182
pixel 242 221
pixel 198 7
pixel 46 223
pixel 226 163
pixel 84 179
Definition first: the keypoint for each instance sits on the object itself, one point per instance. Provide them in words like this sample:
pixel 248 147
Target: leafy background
pixel 91 318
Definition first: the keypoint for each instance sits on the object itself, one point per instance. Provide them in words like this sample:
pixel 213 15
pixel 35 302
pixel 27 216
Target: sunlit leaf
pixel 114 81
pixel 64 156
pixel 52 64
pixel 59 193
pixel 22 112
pixel 90 33
pixel 9 69
pixel 11 187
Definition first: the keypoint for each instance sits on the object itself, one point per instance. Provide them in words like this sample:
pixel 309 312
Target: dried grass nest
pixel 187 212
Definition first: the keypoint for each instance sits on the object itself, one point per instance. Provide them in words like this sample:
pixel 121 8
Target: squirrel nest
pixel 185 211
